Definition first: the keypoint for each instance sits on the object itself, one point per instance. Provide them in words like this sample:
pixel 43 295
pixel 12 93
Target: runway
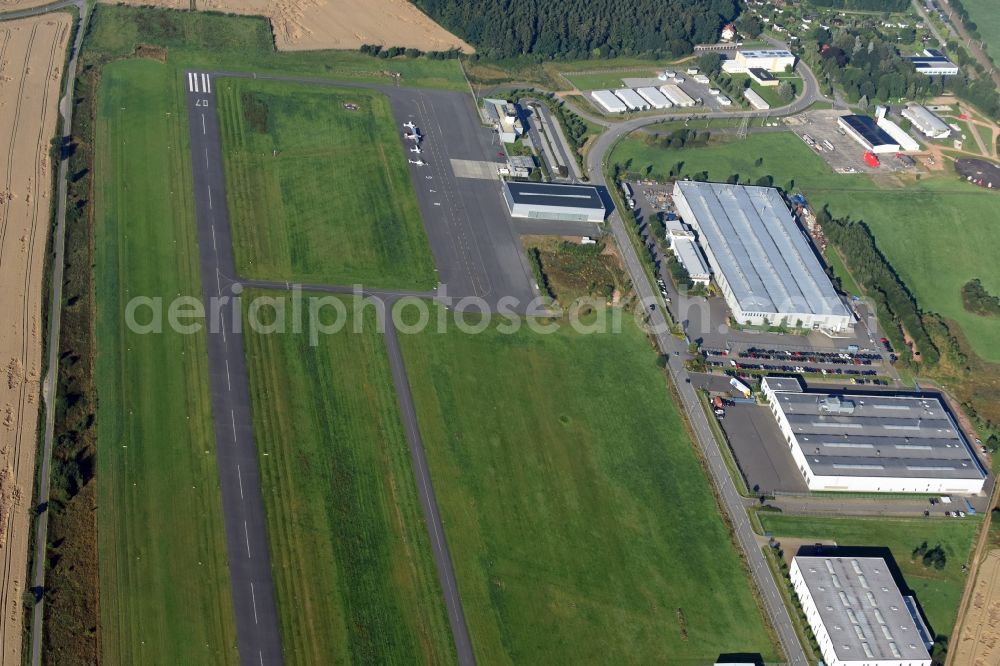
pixel 257 626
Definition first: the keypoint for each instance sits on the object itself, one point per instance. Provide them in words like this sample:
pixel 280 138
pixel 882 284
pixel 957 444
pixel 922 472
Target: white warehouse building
pixel 655 98
pixel 677 97
pixel 762 261
pixel 926 121
pixel 857 612
pixel 633 101
pixel 682 242
pixel 607 101
pixel 877 442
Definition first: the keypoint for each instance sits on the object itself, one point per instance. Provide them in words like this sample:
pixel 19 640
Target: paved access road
pixel 730 498
pixel 257 626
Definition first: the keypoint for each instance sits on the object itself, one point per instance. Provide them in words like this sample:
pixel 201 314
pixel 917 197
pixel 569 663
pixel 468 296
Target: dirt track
pixel 978 644
pixel 302 25
pixel 32 53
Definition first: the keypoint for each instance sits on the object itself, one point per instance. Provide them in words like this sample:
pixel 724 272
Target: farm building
pixel 547 201
pixel 607 101
pixel 633 101
pixel 858 613
pixel 763 263
pixel 864 130
pixel 756 101
pixel 926 122
pixel 878 442
pixel 655 98
pixel 676 96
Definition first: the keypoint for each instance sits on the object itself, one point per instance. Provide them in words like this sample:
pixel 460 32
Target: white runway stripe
pixel 196 83
pixel 204 83
pixel 190 82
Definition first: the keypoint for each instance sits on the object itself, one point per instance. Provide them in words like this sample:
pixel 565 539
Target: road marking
pixel 214 248
pixel 203 131
pixel 239 476
pixel 190 82
pixel 196 83
pixel 233 415
pixel 206 157
pixel 261 655
pixel 246 533
pixel 253 598
pixel 218 289
pixel 210 197
pixel 204 83
pixel 229 384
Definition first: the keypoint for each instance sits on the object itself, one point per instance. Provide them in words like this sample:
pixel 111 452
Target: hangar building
pixel 879 442
pixel 761 259
pixel 865 131
pixel 926 122
pixel 858 613
pixel 548 201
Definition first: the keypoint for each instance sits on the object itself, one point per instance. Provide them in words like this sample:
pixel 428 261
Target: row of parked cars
pixel 832 358
pixel 794 369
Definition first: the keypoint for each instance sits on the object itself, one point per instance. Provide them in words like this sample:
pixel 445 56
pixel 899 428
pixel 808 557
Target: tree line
pixel 865 5
pixel 578 29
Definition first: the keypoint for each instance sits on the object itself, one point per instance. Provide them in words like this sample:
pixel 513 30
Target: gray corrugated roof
pixel 862 609
pixel 766 259
pixel 548 194
pixel 877 436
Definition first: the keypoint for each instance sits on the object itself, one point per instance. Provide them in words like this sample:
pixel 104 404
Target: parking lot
pixel 847 155
pixel 761 452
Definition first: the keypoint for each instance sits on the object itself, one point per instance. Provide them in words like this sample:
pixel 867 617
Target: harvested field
pixel 14 5
pixel 304 25
pixel 32 52
pixel 978 643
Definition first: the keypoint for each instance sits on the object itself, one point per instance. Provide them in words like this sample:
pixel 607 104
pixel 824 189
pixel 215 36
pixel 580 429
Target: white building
pixel 756 101
pixel 858 614
pixel 676 96
pixel 771 60
pixel 505 118
pixel 934 63
pixel 550 201
pixel 655 98
pixel 633 101
pixel 762 261
pixel 607 101
pixel 682 242
pixel 926 122
pixel 873 442
pixel 723 100
pixel 865 131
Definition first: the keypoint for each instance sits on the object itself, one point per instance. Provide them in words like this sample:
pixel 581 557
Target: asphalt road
pixel 55 321
pixel 257 626
pixel 729 497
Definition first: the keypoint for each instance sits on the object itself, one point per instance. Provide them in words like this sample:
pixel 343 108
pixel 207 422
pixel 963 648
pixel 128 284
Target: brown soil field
pixel 304 25
pixel 32 54
pixel 11 5
pixel 978 644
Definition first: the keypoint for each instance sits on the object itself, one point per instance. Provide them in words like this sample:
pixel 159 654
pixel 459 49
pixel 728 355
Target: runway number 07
pixel 201 102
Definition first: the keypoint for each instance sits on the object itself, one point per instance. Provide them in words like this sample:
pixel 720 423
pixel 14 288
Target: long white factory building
pixel 762 261
pixel 633 101
pixel 677 97
pixel 873 442
pixel 608 101
pixel 926 121
pixel 857 612
pixel 655 98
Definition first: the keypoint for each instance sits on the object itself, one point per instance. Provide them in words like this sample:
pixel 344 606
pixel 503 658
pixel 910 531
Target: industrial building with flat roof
pixel 682 242
pixel 858 614
pixel 771 60
pixel 655 98
pixel 926 122
pixel 761 259
pixel 762 76
pixel 756 101
pixel 548 201
pixel 633 101
pixel 934 63
pixel 677 97
pixel 505 117
pixel 876 442
pixel 607 101
pixel 865 131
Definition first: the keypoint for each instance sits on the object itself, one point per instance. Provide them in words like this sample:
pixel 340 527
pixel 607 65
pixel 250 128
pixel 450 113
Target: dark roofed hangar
pixel 548 201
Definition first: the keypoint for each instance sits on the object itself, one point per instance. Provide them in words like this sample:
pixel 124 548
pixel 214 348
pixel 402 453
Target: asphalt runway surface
pixel 260 641
pixel 257 627
pixel 476 247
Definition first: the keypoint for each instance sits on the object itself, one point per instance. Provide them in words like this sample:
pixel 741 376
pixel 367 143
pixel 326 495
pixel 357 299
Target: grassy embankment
pixel 320 193
pixel 163 574
pixel 579 519
pixel 351 557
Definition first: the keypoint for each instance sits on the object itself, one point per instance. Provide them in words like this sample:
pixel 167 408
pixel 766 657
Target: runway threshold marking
pixel 253 599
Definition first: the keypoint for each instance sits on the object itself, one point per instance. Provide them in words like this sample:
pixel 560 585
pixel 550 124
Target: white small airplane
pixel 410 126
pixel 416 149
pixel 417 162
pixel 413 137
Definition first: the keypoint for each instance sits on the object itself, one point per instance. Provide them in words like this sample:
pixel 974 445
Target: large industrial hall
pixel 761 260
